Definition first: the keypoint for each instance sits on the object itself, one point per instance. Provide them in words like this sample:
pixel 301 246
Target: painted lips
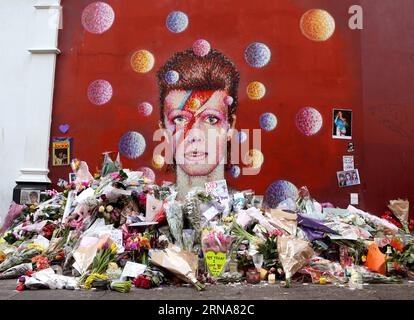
pixel 196 155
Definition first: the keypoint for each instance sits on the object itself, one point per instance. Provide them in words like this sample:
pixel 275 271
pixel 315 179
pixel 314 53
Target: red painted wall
pixel 301 73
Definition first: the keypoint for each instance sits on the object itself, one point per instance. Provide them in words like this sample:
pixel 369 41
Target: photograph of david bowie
pixel 29 196
pixel 342 124
pixel 348 178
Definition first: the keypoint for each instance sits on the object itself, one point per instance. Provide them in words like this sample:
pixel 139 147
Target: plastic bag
pixel 375 259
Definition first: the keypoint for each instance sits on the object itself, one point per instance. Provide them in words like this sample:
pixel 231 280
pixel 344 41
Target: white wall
pixel 16 18
pixel 26 92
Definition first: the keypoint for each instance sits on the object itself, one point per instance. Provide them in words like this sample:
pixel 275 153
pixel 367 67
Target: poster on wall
pixel 348 163
pixel 61 151
pixel 342 124
pixel 348 178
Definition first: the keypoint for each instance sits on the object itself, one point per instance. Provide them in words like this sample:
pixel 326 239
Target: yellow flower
pixel 92 278
pixel 144 243
pixel 114 248
pixel 36 246
pixel 364 258
pixel 323 280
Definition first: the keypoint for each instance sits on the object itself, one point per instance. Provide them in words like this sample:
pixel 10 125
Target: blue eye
pixel 212 120
pixel 180 120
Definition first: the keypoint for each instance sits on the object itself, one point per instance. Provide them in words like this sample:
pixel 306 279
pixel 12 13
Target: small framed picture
pixel 348 178
pixel 61 151
pixel 72 177
pixel 29 196
pixel 342 124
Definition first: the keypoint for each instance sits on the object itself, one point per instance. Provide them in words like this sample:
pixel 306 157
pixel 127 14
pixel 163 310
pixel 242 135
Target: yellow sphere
pixel 142 61
pixel 194 104
pixel 158 161
pixel 254 159
pixel 317 25
pixel 256 90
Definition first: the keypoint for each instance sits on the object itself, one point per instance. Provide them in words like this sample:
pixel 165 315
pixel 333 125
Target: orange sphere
pixel 317 25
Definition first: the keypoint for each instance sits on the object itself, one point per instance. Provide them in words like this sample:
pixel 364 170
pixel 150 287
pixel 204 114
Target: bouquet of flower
pixel 120 286
pixel 175 221
pixel 216 241
pixel 41 262
pixel 138 246
pixel 19 258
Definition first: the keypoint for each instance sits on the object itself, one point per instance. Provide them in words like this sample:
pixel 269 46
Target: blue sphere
pixel 132 145
pixel 172 77
pixel 177 21
pixel 257 55
pixel 279 191
pixel 235 171
pixel 268 121
pixel 241 137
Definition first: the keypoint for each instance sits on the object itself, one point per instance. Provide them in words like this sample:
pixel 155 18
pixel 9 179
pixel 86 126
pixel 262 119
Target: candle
pixel 272 278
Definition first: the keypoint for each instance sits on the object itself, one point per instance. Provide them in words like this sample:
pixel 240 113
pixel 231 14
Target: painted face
pixel 199 122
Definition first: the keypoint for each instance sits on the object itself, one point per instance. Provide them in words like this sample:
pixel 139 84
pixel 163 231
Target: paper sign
pixel 153 206
pixel 116 237
pixel 210 213
pixel 215 262
pixel 132 270
pixel 218 189
pixel 354 198
pixel 348 163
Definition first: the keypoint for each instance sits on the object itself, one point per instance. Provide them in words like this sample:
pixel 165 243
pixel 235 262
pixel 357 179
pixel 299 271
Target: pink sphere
pixel 98 17
pixel 309 121
pixel 228 101
pixel 201 47
pixel 147 173
pixel 145 109
pixel 100 92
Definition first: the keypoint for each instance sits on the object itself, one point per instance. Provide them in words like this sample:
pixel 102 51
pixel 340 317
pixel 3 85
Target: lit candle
pixel 272 278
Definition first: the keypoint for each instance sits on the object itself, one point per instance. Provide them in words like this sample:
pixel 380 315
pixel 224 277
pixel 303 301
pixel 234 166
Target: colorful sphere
pixel 172 77
pixel 242 137
pixel 309 121
pixel 254 159
pixel 142 61
pixel 235 171
pixel 228 101
pixel 257 55
pixel 268 121
pixel 201 48
pixel 256 90
pixel 145 109
pixel 177 21
pixel 317 25
pixel 98 17
pixel 147 173
pixel 158 161
pixel 132 145
pixel 100 92
pixel 279 191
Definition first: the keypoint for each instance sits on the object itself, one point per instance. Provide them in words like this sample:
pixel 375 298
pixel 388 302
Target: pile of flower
pixel 117 229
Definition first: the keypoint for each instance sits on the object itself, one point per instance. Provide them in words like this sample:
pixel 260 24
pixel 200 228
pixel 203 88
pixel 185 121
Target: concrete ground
pixel 262 291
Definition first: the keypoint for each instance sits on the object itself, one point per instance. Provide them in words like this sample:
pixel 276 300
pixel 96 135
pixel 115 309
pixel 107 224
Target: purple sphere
pixel 242 136
pixel 228 100
pixel 309 121
pixel 177 21
pixel 268 121
pixel 100 92
pixel 235 171
pixel 257 55
pixel 279 191
pixel 132 145
pixel 172 77
pixel 145 109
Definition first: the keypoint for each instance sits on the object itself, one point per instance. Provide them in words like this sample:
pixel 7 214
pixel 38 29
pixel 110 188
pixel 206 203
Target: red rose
pixel 142 282
pixel 20 287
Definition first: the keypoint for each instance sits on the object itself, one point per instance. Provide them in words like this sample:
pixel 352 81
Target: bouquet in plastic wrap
pixel 294 254
pixel 216 248
pixel 175 221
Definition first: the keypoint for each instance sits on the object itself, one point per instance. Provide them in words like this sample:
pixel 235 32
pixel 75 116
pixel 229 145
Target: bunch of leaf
pixel 162 193
pixel 19 258
pixel 204 197
pixel 356 249
pixel 269 251
pixel 406 258
pixel 120 286
pixel 238 231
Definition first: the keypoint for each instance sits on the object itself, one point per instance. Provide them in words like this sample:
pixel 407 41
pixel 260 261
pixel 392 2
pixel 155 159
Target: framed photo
pixel 72 177
pixel 61 151
pixel 342 124
pixel 348 178
pixel 29 196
